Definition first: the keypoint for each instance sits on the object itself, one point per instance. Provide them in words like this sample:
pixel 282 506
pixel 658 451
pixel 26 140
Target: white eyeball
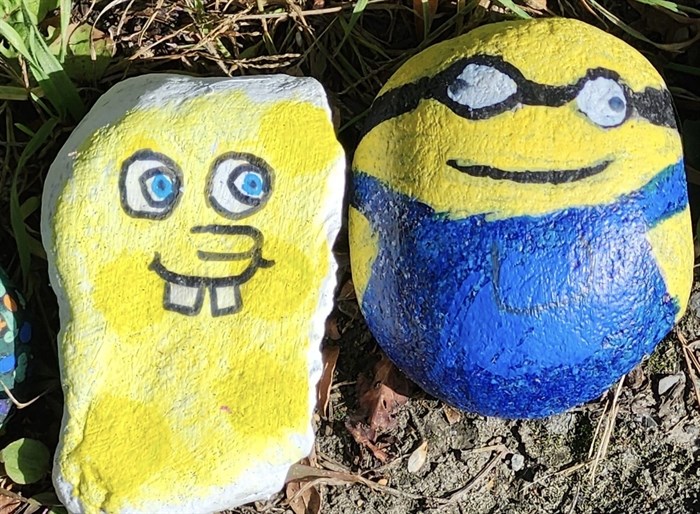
pixel 239 185
pixel 480 86
pixel 149 185
pixel 603 101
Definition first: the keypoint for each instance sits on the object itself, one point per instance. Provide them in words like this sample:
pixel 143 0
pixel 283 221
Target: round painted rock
pixel 519 226
pixel 15 334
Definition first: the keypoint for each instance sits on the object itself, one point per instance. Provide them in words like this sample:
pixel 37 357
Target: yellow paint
pixel 672 244
pixel 548 51
pixel 364 252
pixel 162 402
pixel 530 138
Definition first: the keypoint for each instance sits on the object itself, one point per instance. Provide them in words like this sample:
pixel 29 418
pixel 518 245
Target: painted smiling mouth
pixel 185 293
pixel 530 176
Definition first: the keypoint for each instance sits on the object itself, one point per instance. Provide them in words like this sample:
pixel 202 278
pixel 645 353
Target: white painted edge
pixel 148 91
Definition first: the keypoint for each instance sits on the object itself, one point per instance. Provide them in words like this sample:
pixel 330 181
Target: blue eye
pixel 251 184
pixel 239 185
pixel 150 184
pixel 161 186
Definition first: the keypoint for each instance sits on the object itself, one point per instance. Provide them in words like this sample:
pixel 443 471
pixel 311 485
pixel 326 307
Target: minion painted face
pixel 520 217
pixel 189 225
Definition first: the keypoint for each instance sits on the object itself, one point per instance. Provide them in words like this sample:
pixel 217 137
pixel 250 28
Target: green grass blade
pixel 670 47
pixel 66 9
pixel 683 68
pixel 354 17
pixel 15 40
pixel 13 93
pixel 55 82
pixel 509 4
pixel 664 4
pixel 19 229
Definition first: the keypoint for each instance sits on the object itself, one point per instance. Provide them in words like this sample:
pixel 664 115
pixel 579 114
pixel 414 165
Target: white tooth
pixel 225 299
pixel 183 299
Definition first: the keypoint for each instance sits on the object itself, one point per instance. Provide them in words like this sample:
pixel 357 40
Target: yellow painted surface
pixel 364 252
pixel 672 244
pixel 530 138
pixel 550 51
pixel 162 402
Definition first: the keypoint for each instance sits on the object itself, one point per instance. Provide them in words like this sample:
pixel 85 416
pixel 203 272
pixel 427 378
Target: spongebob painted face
pixel 519 227
pixel 238 185
pixel 189 225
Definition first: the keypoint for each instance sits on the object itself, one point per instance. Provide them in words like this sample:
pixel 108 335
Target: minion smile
pixel 530 176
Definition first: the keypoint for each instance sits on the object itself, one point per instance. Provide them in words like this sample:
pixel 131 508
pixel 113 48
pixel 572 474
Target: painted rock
pixel 15 336
pixel 519 227
pixel 188 224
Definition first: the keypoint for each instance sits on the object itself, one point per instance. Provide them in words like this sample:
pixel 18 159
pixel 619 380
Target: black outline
pixel 152 172
pixel 257 261
pixel 529 176
pixel 181 309
pixel 253 162
pixel 407 97
pixel 219 256
pixel 215 312
pixel 168 167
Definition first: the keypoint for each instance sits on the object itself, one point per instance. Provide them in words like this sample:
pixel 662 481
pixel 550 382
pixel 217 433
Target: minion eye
pixel 481 86
pixel 240 184
pixel 149 184
pixel 603 101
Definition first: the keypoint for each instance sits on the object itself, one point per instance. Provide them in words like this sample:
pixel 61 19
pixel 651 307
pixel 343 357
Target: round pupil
pixel 617 104
pixel 252 184
pixel 162 186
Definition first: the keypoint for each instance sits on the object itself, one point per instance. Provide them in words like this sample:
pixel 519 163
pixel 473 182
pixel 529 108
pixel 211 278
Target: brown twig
pixel 691 362
pixel 609 426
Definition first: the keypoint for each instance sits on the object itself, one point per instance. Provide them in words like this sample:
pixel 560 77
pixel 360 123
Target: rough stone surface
pixel 519 226
pixel 15 336
pixel 189 224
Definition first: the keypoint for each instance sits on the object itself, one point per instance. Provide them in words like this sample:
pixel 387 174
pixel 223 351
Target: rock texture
pixel 15 336
pixel 519 226
pixel 188 224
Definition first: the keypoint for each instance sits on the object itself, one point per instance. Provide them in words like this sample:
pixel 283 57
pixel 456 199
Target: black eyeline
pixel 654 105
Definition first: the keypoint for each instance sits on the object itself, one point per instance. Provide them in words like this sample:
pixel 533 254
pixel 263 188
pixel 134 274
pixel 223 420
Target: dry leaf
pixel 418 457
pixel 303 498
pixel 332 329
pixel 419 6
pixel 347 292
pixel 365 437
pixel 306 501
pixel 9 505
pixel 453 415
pixel 323 391
pixel 538 5
pixel 379 399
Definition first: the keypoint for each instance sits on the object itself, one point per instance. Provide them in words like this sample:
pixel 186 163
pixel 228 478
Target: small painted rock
pixel 15 336
pixel 519 227
pixel 189 224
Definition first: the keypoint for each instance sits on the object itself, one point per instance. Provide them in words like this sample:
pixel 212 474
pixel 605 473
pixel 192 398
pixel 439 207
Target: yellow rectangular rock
pixel 189 224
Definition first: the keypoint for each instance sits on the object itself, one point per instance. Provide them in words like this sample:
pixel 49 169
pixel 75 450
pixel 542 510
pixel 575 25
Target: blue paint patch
pixel 7 363
pixel 522 317
pixel 162 186
pixel 253 184
pixel 25 333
